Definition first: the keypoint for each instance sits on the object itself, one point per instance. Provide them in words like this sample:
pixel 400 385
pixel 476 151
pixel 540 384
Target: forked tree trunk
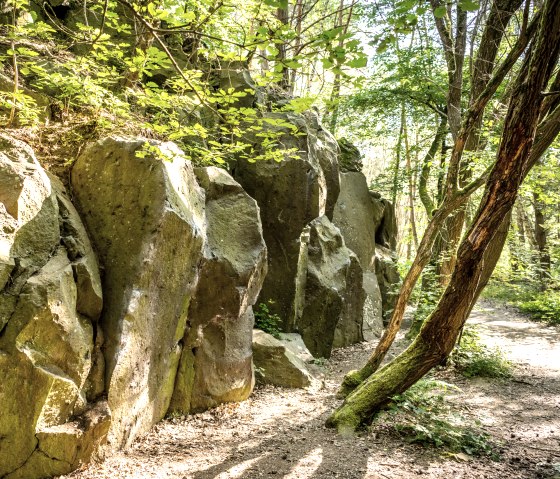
pixel 452 199
pixel 440 331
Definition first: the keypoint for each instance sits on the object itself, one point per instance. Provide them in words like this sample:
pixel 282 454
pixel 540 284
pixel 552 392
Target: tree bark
pixel 541 241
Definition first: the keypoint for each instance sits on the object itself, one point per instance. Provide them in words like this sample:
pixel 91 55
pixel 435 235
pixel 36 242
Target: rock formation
pixel 146 219
pixel 167 326
pixel 290 194
pixel 276 363
pixel 332 303
pixel 216 362
pixel 50 301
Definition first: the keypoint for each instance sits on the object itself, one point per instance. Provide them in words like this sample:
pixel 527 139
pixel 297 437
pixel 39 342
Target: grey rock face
pixel 277 363
pixel 331 313
pixel 290 194
pixel 388 278
pixel 358 215
pixel 373 307
pixel 216 363
pixel 48 315
pixel 386 229
pixel 146 219
pixel 350 158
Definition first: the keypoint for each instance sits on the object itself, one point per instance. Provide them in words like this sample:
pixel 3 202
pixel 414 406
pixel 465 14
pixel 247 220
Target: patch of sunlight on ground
pixel 307 465
pixel 239 470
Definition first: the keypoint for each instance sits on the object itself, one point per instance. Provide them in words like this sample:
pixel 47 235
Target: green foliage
pixel 267 321
pixel 544 306
pixel 474 359
pixel 97 66
pixel 511 293
pixel 423 415
pixel 540 305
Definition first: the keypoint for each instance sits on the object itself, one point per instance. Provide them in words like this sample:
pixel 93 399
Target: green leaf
pixel 277 3
pixel 359 62
pixel 469 5
pixel 440 12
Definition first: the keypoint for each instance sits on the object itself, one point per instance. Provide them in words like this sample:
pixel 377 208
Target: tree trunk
pixel 542 243
pixel 440 331
pixel 414 234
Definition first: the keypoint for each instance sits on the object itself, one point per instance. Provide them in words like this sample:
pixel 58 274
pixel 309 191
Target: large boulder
pixel 216 363
pixel 333 297
pixel 373 307
pixel 145 213
pixel 50 302
pixel 388 278
pixel 277 363
pixel 290 193
pixel 358 214
pixel 386 227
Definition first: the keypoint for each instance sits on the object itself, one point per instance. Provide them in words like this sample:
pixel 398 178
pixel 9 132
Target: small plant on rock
pixel 267 321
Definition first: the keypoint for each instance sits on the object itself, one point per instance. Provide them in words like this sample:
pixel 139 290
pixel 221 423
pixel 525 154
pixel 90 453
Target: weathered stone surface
pixel 357 215
pixel 63 448
pixel 276 363
pixel 290 194
pixel 349 329
pixel 373 307
pixel 146 219
pixel 388 278
pixel 350 158
pixel 334 296
pixel 216 363
pixel 386 230
pixel 30 230
pixel 46 344
pixel 84 261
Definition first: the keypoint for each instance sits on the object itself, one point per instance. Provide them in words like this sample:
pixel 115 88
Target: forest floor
pixel 280 433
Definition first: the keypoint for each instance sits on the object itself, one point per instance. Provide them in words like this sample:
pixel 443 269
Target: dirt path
pixel 280 432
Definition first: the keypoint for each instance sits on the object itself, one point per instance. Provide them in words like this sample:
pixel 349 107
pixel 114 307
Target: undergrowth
pixel 540 305
pixel 473 358
pixel 267 321
pixel 544 306
pixel 423 415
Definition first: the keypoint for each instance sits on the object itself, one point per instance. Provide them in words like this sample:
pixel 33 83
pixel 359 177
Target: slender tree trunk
pixel 541 242
pixel 282 14
pixel 335 93
pixel 397 161
pixel 414 234
pixel 498 18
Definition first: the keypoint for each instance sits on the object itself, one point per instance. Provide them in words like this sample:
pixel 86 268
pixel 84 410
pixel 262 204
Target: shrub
pixel 423 415
pixel 473 358
pixel 544 306
pixel 267 321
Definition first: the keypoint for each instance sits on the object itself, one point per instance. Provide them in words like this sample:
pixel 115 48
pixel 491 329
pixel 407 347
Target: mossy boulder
pixel 216 363
pixel 47 339
pixel 291 193
pixel 145 213
pixel 333 297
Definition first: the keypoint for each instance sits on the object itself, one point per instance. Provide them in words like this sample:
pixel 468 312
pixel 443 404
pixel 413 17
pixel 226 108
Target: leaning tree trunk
pixel 440 331
pixel 453 198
